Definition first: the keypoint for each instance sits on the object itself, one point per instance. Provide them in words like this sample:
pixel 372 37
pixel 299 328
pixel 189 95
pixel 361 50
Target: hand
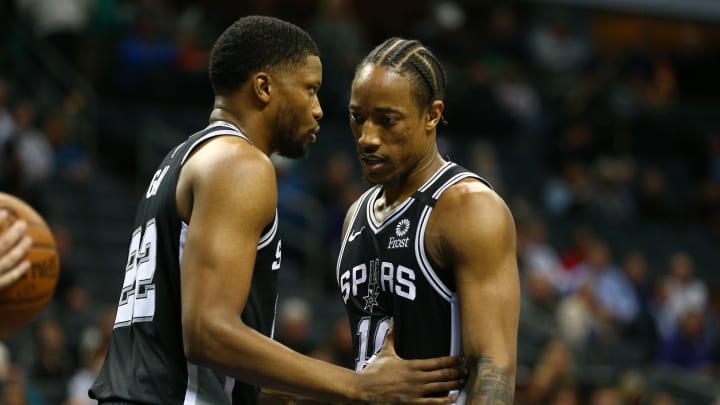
pixel 392 380
pixel 14 244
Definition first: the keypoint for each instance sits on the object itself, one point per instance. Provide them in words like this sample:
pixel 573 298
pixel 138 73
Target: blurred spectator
pixel 641 333
pixel 652 198
pixel 505 37
pixel 581 321
pixel 553 370
pixel 558 44
pixel 688 346
pixel 633 388
pixel 338 347
pixel 605 396
pixel 70 160
pixel 49 363
pixel 147 53
pixel 484 161
pixel 570 194
pixel 613 201
pixel 294 325
pixel 574 254
pixel 685 292
pixel 613 291
pixel 95 341
pixel 61 22
pixel 34 152
pixel 342 42
pixel 663 398
pixel 541 267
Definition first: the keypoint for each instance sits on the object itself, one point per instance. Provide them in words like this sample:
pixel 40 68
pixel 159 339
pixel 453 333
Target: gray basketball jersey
pixel 146 362
pixel 384 273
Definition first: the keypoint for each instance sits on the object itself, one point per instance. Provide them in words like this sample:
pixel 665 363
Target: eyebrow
pixel 378 109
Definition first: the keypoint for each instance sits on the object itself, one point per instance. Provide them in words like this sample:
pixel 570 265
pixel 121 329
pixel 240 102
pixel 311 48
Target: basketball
pixel 22 301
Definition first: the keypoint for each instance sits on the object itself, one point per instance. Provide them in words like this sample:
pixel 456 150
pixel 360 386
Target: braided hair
pixel 409 56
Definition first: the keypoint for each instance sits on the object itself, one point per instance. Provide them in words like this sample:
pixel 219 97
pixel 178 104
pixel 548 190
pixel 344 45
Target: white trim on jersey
pixel 424 262
pixel 229 386
pixel 268 237
pixel 348 231
pixel 183 237
pixel 192 385
pixel 378 226
pixel 455 340
pixel 218 127
pixel 420 253
pixel 452 181
pixel 437 174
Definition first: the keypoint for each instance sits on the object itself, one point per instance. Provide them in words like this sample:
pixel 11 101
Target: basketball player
pixel 430 247
pixel 197 308
pixel 14 244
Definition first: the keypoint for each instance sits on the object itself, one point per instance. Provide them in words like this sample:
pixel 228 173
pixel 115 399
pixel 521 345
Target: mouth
pixel 371 162
pixel 314 134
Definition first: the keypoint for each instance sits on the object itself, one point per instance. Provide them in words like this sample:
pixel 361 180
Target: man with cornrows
pixel 429 249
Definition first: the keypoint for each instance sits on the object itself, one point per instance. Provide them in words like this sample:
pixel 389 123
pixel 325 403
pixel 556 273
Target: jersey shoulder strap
pixel 448 175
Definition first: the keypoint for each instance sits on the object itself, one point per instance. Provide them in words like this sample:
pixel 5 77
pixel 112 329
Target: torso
pixel 387 269
pixel 146 362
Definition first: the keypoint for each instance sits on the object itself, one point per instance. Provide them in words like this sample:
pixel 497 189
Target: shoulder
pixel 229 160
pixel 226 170
pixel 472 211
pixel 471 197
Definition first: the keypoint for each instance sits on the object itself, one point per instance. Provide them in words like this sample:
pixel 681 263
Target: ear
pixel 261 82
pixel 434 114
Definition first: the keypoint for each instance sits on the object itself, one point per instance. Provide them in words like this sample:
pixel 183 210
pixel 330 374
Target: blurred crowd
pixel 597 127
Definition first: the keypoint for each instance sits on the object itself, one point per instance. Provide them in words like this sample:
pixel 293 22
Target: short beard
pixel 286 145
pixel 292 150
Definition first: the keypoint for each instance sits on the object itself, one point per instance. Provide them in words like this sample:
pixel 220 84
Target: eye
pixel 356 118
pixel 387 121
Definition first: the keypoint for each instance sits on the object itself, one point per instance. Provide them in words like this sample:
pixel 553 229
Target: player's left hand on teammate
pixel 397 381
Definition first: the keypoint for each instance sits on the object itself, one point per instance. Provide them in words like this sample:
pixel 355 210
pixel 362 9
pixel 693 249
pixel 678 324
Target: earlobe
pixel 435 114
pixel 262 86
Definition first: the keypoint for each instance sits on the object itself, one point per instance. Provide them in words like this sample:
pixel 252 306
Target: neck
pixel 227 109
pixel 403 187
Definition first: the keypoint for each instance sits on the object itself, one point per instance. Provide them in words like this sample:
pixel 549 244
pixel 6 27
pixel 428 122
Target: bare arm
pixel 234 196
pixel 14 244
pixel 478 241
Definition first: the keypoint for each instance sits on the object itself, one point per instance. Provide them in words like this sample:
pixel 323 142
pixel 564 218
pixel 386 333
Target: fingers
pixel 9 277
pixel 14 244
pixel 433 401
pixel 443 386
pixel 438 363
pixel 12 235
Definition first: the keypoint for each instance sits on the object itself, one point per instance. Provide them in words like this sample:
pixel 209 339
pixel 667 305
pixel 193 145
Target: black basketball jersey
pixel 146 362
pixel 384 272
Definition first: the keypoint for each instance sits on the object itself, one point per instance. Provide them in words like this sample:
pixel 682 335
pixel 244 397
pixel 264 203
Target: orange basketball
pixel 22 301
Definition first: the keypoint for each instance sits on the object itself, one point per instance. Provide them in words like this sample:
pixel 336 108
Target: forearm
pixel 251 357
pixel 489 383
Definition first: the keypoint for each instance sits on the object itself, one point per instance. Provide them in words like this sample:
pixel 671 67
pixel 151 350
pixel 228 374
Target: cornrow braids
pixel 411 56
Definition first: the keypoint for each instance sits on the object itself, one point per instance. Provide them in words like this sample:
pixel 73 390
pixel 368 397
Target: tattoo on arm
pixel 488 384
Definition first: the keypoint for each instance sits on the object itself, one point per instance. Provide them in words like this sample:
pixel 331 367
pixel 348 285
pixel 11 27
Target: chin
pixel 294 152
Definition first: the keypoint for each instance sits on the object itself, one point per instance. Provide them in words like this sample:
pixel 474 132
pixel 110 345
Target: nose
pixel 368 136
pixel 317 111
